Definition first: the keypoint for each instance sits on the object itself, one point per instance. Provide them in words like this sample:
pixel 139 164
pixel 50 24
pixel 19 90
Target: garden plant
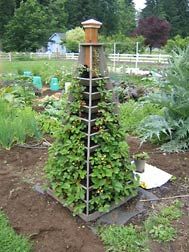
pixel 89 166
pixel 172 127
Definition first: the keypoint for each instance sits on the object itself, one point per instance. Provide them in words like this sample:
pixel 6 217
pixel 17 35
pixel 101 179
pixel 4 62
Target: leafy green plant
pixel 48 124
pixel 141 156
pixel 158 226
pixel 163 233
pixel 16 124
pixel 173 126
pixel 9 240
pixel 19 92
pixel 111 177
pixel 65 168
pixel 112 173
pixel 50 119
pixel 121 239
pixel 132 113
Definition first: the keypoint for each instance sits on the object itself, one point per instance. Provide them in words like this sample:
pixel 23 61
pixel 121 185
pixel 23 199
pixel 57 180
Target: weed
pixel 163 233
pixel 120 238
pixel 158 227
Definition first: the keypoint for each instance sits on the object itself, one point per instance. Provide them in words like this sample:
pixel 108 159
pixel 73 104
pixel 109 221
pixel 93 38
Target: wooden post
pixel 91 28
pixel 10 56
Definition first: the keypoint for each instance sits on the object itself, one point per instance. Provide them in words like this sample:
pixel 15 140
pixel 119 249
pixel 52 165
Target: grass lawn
pixel 35 66
pixel 9 240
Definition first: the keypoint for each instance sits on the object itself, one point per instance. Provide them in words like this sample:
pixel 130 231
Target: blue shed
pixel 55 45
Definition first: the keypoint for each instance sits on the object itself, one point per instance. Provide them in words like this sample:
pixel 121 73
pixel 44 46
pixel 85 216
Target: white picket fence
pixel 127 58
pixel 140 58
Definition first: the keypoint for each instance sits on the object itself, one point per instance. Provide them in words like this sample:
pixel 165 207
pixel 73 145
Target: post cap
pixel 91 23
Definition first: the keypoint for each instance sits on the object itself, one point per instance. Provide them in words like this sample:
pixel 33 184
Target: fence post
pixel 114 61
pixel 10 56
pixel 159 59
pixel 136 63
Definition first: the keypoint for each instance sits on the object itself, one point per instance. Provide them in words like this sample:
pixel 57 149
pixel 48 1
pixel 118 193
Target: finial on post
pixel 91 27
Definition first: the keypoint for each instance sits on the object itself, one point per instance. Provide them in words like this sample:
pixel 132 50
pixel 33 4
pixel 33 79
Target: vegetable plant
pixel 65 168
pixel 172 127
pixel 16 124
pixel 111 176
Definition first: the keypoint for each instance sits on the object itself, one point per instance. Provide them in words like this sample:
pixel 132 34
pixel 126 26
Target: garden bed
pixel 52 227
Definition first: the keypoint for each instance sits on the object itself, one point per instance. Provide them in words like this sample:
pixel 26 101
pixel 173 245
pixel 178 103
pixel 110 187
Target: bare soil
pixel 176 164
pixel 51 227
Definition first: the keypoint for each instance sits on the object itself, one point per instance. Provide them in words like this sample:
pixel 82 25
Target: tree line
pixel 176 12
pixel 26 25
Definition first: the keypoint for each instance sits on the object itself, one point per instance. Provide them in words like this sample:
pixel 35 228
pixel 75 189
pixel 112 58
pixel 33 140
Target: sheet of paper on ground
pixel 153 177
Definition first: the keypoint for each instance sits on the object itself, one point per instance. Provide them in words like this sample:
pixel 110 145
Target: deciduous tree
pixel 73 38
pixel 28 29
pixel 176 12
pixel 155 31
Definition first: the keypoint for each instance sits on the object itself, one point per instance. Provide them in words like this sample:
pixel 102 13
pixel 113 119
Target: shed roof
pixel 60 34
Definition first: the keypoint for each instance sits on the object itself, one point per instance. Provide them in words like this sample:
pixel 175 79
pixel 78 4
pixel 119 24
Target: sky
pixel 139 4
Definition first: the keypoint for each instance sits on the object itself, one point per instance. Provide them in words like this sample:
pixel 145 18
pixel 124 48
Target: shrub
pixel 177 43
pixel 73 38
pixel 124 44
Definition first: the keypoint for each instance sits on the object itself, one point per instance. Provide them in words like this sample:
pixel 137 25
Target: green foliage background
pixel 29 26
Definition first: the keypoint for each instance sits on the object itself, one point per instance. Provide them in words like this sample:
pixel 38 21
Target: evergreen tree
pixel 57 15
pixel 126 11
pixel 78 11
pixel 154 8
pixel 105 11
pixel 178 15
pixel 28 29
pixel 6 12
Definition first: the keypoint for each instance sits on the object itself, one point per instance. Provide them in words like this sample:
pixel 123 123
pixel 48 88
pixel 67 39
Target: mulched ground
pixel 52 227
